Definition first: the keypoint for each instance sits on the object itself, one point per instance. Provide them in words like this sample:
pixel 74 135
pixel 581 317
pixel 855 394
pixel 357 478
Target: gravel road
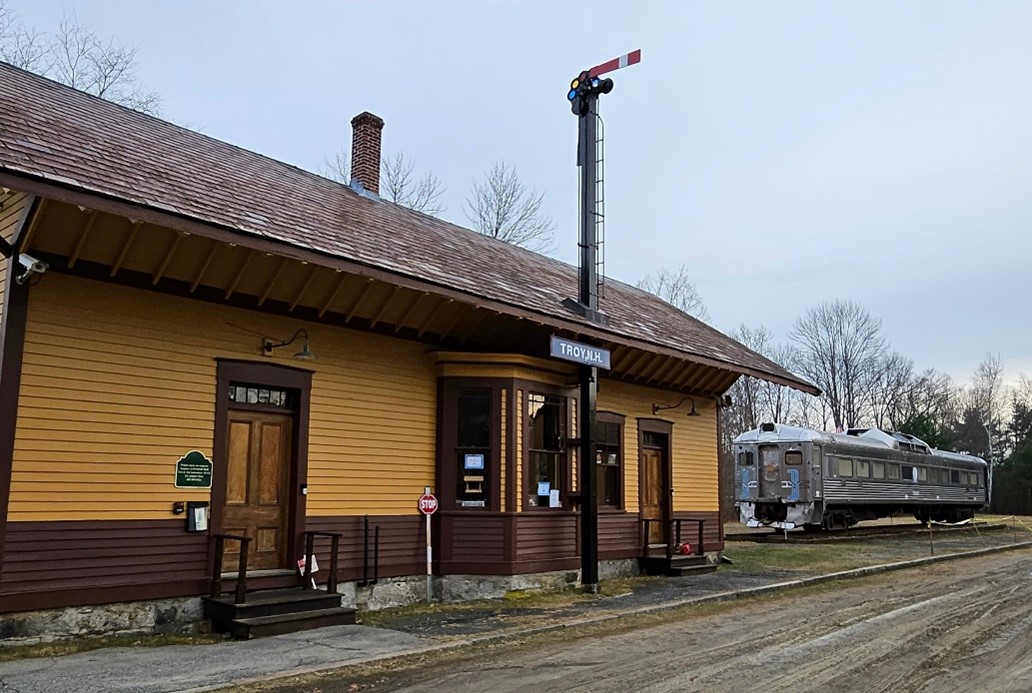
pixel 958 626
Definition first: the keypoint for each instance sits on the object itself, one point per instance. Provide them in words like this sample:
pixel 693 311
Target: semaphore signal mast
pixel 583 96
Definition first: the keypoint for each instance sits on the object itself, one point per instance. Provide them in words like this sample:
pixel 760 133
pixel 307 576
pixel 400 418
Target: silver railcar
pixel 788 477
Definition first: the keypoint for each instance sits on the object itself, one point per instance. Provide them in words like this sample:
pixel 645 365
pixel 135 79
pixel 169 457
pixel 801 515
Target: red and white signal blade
pixel 632 58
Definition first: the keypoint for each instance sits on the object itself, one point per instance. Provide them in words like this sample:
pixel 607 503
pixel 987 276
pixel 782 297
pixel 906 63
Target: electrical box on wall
pixel 197 516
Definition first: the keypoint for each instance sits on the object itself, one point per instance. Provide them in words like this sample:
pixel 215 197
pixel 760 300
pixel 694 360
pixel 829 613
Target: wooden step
pixel 222 610
pixel 696 569
pixel 261 626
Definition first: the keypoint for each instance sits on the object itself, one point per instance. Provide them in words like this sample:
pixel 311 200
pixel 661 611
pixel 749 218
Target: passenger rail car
pixel 788 477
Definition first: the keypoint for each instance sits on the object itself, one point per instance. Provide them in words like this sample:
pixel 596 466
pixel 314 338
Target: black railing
pixel 331 582
pixel 216 572
pixel 671 535
pixel 365 554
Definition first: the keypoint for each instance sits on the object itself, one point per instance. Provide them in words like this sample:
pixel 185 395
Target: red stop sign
pixel 428 504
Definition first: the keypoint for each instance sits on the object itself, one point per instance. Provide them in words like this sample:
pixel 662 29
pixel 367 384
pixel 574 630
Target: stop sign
pixel 428 504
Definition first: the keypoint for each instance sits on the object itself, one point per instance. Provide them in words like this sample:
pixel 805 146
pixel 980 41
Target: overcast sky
pixel 787 152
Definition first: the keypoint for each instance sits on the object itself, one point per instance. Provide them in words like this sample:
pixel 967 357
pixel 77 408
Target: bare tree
pixel 76 55
pixel 21 46
pixel 501 206
pixel 398 184
pixel 843 352
pixel 336 167
pixel 677 288
pixel 890 388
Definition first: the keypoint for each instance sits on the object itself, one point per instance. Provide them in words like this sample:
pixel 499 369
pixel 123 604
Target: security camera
pixel 32 266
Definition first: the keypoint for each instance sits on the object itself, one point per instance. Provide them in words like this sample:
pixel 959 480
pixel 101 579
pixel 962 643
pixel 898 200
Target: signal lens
pixel 572 95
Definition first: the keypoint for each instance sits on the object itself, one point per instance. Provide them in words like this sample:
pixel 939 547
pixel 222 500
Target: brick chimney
pixel 365 151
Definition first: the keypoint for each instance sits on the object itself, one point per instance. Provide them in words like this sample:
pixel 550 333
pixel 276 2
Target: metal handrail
pixel 310 535
pixel 240 597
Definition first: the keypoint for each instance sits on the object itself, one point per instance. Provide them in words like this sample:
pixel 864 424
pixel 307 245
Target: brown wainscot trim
pixel 402 544
pixel 272 375
pixel 67 563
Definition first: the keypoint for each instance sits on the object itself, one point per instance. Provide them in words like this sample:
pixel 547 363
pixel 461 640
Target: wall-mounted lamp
pixel 656 408
pixel 304 355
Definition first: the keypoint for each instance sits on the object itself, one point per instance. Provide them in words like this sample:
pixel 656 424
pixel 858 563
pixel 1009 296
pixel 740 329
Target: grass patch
pixel 60 648
pixel 750 556
pixel 515 599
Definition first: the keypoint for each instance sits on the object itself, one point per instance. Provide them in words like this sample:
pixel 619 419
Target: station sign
pixel 584 354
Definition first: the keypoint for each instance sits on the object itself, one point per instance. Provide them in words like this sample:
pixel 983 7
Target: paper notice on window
pixel 544 487
pixel 553 498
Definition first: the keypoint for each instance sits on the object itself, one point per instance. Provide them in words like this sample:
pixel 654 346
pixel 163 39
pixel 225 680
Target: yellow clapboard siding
pixel 504 417
pixel 119 383
pixel 694 443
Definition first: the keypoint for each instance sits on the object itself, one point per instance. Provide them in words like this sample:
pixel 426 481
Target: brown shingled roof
pixel 63 136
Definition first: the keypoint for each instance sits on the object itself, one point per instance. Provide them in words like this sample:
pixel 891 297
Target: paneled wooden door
pixel 258 459
pixel 654 493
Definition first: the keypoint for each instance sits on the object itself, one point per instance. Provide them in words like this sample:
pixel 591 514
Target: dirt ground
pixel 957 626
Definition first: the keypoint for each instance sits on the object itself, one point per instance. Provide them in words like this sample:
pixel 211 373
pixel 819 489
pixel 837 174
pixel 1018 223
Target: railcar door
pixel 770 471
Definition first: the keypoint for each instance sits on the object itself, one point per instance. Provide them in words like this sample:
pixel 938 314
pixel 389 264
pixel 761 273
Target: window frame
pixel 608 418
pixel 562 451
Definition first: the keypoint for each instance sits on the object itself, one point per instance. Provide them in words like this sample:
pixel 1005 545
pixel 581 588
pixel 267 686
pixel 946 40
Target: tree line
pixel 841 348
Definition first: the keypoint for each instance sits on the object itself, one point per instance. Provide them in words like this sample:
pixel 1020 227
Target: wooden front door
pixel 654 494
pixel 258 460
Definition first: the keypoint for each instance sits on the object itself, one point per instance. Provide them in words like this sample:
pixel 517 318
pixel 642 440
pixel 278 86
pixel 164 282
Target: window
pixel 546 450
pixel 473 447
pixel 955 476
pixel 793 457
pixel 878 470
pixel 863 469
pixel 745 458
pixel 922 473
pixel 908 472
pixel 893 470
pixel 609 457
pixel 251 394
pixel 845 467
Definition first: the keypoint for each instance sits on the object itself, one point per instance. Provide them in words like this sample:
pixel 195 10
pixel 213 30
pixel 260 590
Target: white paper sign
pixel 553 498
pixel 544 487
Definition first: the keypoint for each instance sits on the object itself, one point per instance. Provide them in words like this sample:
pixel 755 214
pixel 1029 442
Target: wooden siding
pixel 58 563
pixel 518 458
pixel 547 536
pixel 119 383
pixel 12 209
pixel 504 417
pixel 694 444
pixel 402 544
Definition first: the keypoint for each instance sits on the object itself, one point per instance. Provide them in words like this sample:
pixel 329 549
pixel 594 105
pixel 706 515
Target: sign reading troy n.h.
pixel 579 353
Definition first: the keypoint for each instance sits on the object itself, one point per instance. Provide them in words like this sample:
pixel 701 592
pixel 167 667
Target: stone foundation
pixel 185 615
pixel 132 618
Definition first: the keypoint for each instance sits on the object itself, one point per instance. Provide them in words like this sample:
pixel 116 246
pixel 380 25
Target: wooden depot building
pixel 163 295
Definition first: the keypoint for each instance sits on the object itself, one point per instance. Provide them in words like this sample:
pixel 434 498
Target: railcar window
pixel 878 470
pixel 745 459
pixel 955 476
pixel 893 470
pixel 863 469
pixel 908 472
pixel 793 458
pixel 845 467
pixel 922 473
